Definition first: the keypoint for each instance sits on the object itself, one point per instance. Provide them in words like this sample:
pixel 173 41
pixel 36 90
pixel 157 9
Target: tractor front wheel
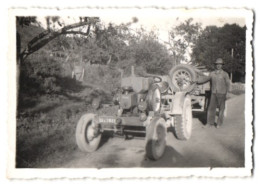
pixel 154 98
pixel 155 138
pixel 87 136
pixel 183 122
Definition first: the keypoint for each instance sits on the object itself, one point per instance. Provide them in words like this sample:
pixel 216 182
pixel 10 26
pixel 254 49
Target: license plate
pixel 107 120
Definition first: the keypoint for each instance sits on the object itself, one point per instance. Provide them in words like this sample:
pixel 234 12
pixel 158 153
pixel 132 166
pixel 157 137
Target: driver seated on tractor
pixel 220 86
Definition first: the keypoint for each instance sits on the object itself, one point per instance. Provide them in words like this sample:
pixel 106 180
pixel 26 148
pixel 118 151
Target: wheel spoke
pixel 182 79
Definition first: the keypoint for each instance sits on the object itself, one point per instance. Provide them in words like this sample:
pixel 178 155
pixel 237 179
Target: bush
pixel 237 88
pixel 102 77
pixel 39 76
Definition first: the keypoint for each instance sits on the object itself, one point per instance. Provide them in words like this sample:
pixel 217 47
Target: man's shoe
pixel 217 126
pixel 205 126
pixel 208 125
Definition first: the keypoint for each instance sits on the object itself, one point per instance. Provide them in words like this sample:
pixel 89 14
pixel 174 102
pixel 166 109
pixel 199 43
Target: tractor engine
pixel 128 98
pixel 134 96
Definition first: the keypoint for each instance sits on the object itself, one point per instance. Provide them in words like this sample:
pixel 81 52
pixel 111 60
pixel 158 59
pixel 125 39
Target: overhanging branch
pixel 46 36
pixel 76 32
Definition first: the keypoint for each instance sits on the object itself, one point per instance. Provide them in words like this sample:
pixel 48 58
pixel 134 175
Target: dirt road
pixel 208 147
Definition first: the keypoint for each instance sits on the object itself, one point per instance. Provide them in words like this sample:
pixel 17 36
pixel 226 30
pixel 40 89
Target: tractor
pixel 148 106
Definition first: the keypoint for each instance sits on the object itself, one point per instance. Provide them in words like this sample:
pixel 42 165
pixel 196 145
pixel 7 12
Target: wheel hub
pixel 90 133
pixel 182 79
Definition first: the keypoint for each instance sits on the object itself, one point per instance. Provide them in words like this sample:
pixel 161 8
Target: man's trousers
pixel 216 101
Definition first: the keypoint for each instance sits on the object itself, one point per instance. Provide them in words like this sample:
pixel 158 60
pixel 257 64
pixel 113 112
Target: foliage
pixel 102 77
pixel 47 134
pixel 51 33
pixel 183 38
pixel 218 42
pixel 25 21
pixel 151 55
pixel 39 77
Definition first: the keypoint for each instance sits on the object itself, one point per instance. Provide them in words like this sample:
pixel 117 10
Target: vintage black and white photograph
pixel 151 88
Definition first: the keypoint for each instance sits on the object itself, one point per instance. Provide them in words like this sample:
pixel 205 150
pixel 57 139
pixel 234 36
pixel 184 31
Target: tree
pixel 107 45
pixel 146 53
pixel 48 35
pixel 40 53
pixel 222 42
pixel 47 52
pixel 182 39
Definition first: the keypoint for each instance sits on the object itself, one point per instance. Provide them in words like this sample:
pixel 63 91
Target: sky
pixel 161 20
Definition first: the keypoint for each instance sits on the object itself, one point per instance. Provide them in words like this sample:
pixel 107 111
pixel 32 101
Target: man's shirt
pixel 219 81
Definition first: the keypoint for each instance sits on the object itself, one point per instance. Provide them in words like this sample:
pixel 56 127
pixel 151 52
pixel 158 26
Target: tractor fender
pixel 178 101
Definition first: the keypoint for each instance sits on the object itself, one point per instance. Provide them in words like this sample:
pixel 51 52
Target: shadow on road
pixel 104 138
pixel 169 159
pixel 202 116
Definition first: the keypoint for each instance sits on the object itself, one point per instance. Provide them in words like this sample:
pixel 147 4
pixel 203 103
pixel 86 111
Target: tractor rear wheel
pixel 87 137
pixel 155 138
pixel 183 122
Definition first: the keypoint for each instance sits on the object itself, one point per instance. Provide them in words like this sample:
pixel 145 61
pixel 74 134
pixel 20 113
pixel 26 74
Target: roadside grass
pixel 237 88
pixel 46 120
pixel 45 133
pixel 237 92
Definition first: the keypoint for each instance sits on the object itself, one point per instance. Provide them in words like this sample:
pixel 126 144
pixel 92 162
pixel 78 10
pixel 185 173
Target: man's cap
pixel 219 61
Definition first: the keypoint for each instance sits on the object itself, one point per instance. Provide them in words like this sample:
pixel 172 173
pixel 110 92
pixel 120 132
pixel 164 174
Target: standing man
pixel 220 85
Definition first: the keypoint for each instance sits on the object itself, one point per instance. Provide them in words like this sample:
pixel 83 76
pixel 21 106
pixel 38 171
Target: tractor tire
pixel 182 77
pixel 85 138
pixel 154 99
pixel 155 138
pixel 183 122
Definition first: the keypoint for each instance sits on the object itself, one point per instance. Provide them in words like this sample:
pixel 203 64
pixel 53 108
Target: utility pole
pixel 232 56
